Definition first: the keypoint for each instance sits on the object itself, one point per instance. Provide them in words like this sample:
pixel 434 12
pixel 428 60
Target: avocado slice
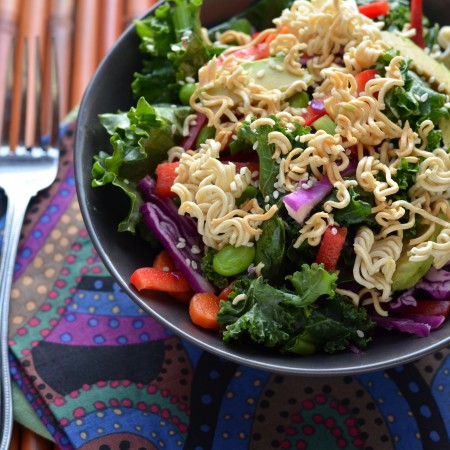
pixel 271 73
pixel 421 62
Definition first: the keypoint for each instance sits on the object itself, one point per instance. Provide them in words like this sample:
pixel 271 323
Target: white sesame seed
pixel 334 231
pixel 188 262
pixel 267 207
pixel 181 239
pixel 181 244
pixel 424 97
pixel 266 199
pixel 276 194
pixel 173 128
pixel 255 173
pixel 234 137
pixel 190 80
pixel 166 269
pixel 260 73
pixel 441 87
pixel 360 333
pixel 195 249
pixel 194 265
pixel 255 145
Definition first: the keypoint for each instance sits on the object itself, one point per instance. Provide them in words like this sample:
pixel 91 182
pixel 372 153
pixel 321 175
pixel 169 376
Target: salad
pixel 293 172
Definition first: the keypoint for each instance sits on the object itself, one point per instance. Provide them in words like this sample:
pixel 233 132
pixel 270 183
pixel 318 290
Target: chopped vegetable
pixel 403 325
pixel 324 123
pixel 203 309
pixel 225 292
pixel 416 22
pixel 178 234
pixel 153 279
pixel 333 241
pixel 312 114
pixel 232 260
pixel 363 77
pixel 188 142
pixel 164 261
pixel 375 9
pixel 165 177
pixel 299 100
pixel 427 308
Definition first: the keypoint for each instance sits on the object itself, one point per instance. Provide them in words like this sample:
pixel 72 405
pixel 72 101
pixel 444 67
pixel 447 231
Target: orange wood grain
pixel 86 47
pixel 61 31
pixel 9 24
pixel 32 441
pixel 32 28
pixel 111 25
pixel 135 9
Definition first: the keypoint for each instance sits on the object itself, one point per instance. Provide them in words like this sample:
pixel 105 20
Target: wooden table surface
pixel 83 31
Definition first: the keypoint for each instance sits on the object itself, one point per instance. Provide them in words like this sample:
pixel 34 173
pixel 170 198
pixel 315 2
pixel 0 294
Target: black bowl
pixel 103 208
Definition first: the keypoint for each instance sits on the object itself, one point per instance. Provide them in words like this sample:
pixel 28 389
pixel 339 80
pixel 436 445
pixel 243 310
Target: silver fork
pixel 24 171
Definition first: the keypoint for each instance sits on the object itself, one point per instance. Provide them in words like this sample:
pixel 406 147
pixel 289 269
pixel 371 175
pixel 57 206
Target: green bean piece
pixel 232 260
pixel 186 92
pixel 205 133
pixel 249 192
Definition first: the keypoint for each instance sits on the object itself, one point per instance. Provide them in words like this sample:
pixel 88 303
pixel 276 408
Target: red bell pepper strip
pixel 188 142
pixel 416 22
pixel 226 291
pixel 165 178
pixel 311 115
pixel 159 280
pixel 331 247
pixel 363 77
pixel 375 9
pixel 164 261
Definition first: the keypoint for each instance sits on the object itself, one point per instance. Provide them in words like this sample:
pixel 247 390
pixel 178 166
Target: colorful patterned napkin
pixel 101 374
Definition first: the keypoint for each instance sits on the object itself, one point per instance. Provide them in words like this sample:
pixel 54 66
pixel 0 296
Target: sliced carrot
pixel 165 178
pixel 330 249
pixel 164 261
pixel 203 309
pixel 159 280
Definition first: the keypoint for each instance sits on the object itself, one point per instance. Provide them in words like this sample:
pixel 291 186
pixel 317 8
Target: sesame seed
pixel 266 199
pixel 173 128
pixel 424 97
pixel 195 249
pixel 181 244
pixel 267 207
pixel 181 239
pixel 194 265
pixel 334 231
pixel 255 145
pixel 441 87
pixel 234 137
pixel 188 262
pixel 360 333
pixel 166 269
pixel 275 194
pixel 260 73
pixel 255 173
pixel 190 80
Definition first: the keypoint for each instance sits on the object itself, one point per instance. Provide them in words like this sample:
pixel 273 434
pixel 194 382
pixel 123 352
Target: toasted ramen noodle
pixel 326 43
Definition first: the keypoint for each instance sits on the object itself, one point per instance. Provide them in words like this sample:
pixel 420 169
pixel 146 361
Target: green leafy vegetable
pixel 257 138
pixel 174 49
pixel 415 101
pixel 140 139
pixel 304 320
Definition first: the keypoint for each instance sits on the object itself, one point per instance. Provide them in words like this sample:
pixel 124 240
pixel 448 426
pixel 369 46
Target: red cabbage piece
pixel 406 298
pixel 433 321
pixel 317 105
pixel 178 234
pixel 299 204
pixel 403 325
pixel 437 283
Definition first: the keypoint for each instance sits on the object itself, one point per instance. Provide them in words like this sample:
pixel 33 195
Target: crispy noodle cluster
pixel 343 43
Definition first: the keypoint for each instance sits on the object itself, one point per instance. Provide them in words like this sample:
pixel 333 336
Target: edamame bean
pixel 299 100
pixel 232 260
pixel 186 92
pixel 249 192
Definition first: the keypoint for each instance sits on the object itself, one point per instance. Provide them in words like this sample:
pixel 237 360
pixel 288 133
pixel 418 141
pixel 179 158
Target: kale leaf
pixel 302 320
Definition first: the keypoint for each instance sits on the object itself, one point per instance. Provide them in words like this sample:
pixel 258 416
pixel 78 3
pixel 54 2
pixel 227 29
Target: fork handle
pixel 15 214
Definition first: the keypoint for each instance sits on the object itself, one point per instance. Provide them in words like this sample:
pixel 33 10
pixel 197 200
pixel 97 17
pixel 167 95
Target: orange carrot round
pixel 203 309
pixel 164 261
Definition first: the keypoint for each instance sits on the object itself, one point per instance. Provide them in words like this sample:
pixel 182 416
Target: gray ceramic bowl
pixel 102 210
